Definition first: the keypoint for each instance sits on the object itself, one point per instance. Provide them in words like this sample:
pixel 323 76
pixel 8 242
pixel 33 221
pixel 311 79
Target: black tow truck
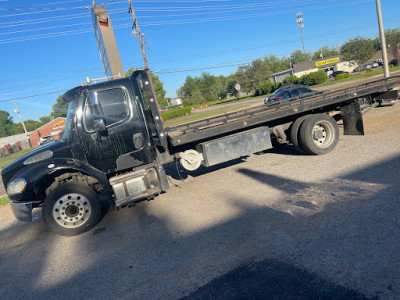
pixel 115 144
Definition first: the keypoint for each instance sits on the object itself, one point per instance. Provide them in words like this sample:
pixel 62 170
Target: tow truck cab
pixel 109 143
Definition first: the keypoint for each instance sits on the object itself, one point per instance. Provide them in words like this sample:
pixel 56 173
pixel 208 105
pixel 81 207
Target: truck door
pixel 113 132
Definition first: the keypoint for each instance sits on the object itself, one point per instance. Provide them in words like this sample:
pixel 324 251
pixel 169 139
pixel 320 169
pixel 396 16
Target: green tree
pixel 299 56
pixel 16 128
pixel 275 64
pixel 189 85
pixel 392 36
pixel 32 125
pixel 359 50
pixel 243 78
pixel 158 87
pixel 251 76
pixel 6 122
pixel 60 109
pixel 326 52
pixel 230 86
pixel 160 92
pixel 195 98
pixel 209 86
pixel 290 80
pixel 45 120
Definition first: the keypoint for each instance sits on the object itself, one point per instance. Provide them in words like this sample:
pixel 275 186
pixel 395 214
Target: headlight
pixel 16 187
pixel 38 157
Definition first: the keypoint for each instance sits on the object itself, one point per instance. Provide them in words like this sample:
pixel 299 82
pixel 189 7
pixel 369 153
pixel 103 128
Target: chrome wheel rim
pixel 72 210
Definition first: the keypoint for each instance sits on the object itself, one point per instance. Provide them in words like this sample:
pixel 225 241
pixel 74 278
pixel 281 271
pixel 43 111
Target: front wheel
pixel 71 209
pixel 319 134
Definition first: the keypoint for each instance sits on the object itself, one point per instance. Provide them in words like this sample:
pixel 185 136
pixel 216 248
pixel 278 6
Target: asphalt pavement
pixel 273 225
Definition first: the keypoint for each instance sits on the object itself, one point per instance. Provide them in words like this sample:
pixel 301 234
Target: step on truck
pixel 115 145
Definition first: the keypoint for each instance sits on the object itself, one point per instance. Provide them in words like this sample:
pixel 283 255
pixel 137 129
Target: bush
pixel 264 88
pixel 342 76
pixel 369 70
pixel 290 80
pixel 277 85
pixel 176 113
pixel 313 78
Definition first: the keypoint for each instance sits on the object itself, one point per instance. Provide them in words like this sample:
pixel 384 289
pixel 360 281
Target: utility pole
pixel 300 21
pixel 382 39
pixel 20 117
pixel 135 26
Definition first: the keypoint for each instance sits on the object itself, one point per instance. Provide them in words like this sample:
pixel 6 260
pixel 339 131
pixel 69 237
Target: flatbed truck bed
pixel 277 112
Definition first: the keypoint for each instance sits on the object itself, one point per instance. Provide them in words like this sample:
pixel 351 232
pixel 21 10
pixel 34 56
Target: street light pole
pixel 300 21
pixel 382 39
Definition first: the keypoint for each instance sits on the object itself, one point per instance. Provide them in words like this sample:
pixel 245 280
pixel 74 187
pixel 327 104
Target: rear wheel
pixel 295 133
pixel 71 209
pixel 319 134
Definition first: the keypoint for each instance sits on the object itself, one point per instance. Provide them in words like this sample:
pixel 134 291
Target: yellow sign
pixel 326 62
pixel 59 123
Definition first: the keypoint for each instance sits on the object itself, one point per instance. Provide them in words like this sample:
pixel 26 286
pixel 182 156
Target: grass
pixel 5 160
pixel 4 201
pixel 200 116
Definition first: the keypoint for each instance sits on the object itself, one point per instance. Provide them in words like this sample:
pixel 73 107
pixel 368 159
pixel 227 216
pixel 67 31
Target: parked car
pixel 371 65
pixel 379 62
pixel 394 62
pixel 338 72
pixel 290 91
pixel 45 139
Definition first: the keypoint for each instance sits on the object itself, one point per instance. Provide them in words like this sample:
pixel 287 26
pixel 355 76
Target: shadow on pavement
pixel 305 249
pixel 272 279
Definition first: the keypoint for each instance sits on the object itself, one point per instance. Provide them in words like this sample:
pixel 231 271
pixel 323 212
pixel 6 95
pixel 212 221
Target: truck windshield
pixel 68 122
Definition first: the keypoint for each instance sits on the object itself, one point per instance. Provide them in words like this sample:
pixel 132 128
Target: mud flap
pixel 352 118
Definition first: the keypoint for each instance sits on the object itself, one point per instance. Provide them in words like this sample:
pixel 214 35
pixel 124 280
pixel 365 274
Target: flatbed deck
pixel 263 114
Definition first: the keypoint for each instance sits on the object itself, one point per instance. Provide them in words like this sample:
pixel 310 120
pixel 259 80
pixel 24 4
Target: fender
pixel 36 174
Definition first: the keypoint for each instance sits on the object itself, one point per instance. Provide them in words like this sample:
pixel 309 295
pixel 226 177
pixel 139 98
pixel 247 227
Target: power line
pixel 54 19
pixel 175 22
pixel 39 89
pixel 59 26
pixel 87 23
pixel 32 96
pixel 203 54
pixel 35 21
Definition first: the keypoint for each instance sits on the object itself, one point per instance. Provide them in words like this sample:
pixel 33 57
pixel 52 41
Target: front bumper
pixel 22 211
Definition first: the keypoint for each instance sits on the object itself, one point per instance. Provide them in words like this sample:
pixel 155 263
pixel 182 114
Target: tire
pixel 295 133
pixel 71 209
pixel 319 134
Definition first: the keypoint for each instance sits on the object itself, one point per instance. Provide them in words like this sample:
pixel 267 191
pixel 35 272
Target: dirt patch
pixel 383 120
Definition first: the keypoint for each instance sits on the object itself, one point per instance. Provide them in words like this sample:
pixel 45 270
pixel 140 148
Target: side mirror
pixel 94 101
pixel 95 107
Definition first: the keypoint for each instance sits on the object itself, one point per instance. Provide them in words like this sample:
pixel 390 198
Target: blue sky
pixel 48 46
